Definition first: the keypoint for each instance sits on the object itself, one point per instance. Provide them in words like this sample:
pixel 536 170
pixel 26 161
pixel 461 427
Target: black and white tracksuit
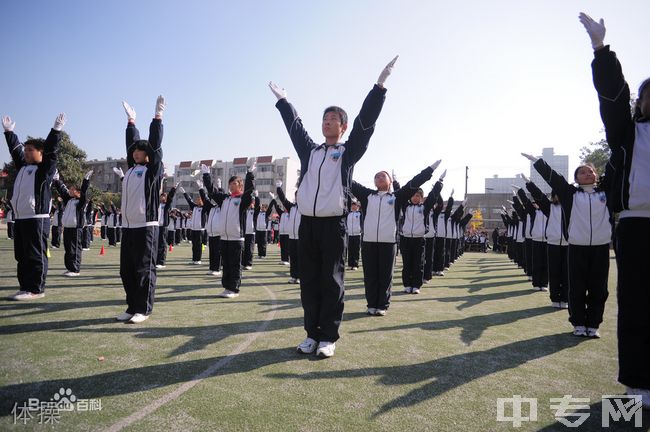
pixel 57 225
pixel 431 242
pixel 140 204
pixel 249 238
pixel 535 231
pixel 380 212
pixel 198 227
pixel 589 232
pixel 261 219
pixel 213 212
pixel 325 176
pixel 231 226
pixel 31 200
pixel 629 140
pixel 9 217
pixel 293 230
pixel 353 232
pixel 163 226
pixel 74 223
pixel 283 232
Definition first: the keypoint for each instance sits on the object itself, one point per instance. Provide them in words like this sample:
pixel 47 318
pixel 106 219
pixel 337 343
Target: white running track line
pixel 169 397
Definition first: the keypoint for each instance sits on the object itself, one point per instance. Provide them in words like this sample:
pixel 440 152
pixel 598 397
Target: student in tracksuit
pixel 589 234
pixel 102 221
pixel 353 232
pixel 74 223
pixel 9 217
pixel 325 175
pixel 449 232
pixel 283 226
pixel 261 217
pixel 520 237
pixel 456 232
pixel 231 225
pixel 140 203
pixel 163 225
pixel 35 164
pixel 628 137
pixel 198 225
pixel 111 226
pixel 213 213
pixel 556 246
pixel 249 237
pixel 171 228
pixel 293 227
pixel 535 232
pixel 438 264
pixel 414 225
pixel 430 239
pixel 89 224
pixel 380 209
pixel 57 225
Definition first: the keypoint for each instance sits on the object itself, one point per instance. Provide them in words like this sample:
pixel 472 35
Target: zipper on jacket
pixel 125 195
pixel 591 228
pixel 318 184
pixel 379 216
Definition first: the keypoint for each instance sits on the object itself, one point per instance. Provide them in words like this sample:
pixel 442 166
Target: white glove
pixel 452 193
pixel 256 193
pixel 435 164
pixel 218 183
pixel 526 179
pixel 278 91
pixel 205 169
pixel 59 122
pixel 56 175
pixel 118 171
pixel 504 208
pixel 199 183
pixel 511 202
pixel 160 106
pixel 272 195
pixel 130 111
pixel 596 30
pixel 442 176
pixel 392 172
pixel 181 189
pixel 8 124
pixel 529 157
pixel 251 164
pixel 278 183
pixel 386 72
pixel 88 175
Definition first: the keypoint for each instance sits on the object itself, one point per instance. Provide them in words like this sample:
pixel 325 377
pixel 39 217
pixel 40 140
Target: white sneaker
pixel 228 294
pixel 564 305
pixel 284 263
pixel 372 311
pixel 124 316
pixel 293 281
pixel 408 290
pixel 27 295
pixel 160 266
pixel 214 273
pixel 593 333
pixel 426 281
pixel 543 289
pixel 196 262
pixel 380 312
pixel 415 290
pixel 325 349
pixel 138 318
pixel 248 267
pixel 579 331
pixel 85 249
pixel 307 346
pixel 71 274
pixel 556 305
pixel 354 268
pixel 440 273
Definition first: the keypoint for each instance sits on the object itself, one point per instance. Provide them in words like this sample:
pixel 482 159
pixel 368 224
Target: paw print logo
pixel 64 397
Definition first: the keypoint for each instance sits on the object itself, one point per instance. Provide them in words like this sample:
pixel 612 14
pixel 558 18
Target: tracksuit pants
pixel 284 247
pixel 197 245
pixel 378 268
pixel 633 294
pixel 118 234
pixel 111 235
pixel 447 252
pixel 354 244
pixel 412 261
pixel 429 244
pixel 56 236
pixel 558 277
pixel 85 237
pixel 260 239
pixel 214 249
pixel 72 238
pixel 528 246
pixel 588 272
pixel 540 264
pixel 138 268
pixel 439 254
pixel 10 230
pixel 247 256
pixel 30 251
pixel 171 237
pixel 102 232
pixel 321 246
pixel 294 259
pixel 161 254
pixel 231 258
pixel 178 236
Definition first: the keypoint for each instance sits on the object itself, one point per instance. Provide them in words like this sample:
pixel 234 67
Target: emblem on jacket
pixel 235 202
pixel 391 200
pixel 336 155
pixel 602 197
pixel 139 173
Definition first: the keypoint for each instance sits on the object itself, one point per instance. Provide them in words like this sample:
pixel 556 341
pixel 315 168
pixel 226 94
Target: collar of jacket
pixel 325 145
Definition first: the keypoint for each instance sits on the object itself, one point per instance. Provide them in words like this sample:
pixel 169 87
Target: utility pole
pixel 466 177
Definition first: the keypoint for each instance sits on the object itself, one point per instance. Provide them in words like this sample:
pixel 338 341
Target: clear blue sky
pixel 477 82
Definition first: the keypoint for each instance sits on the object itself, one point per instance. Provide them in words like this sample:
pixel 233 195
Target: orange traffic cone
pixel 102 251
pixel 171 248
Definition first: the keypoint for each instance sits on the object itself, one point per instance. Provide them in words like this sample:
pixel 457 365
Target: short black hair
pixel 644 87
pixel 37 143
pixel 141 145
pixel 343 116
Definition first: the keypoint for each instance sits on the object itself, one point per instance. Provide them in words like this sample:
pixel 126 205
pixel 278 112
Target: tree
pixel 477 220
pixel 597 153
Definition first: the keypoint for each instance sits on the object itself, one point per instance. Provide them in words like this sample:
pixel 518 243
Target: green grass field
pixel 438 361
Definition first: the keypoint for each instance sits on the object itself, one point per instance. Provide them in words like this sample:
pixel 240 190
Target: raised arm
pixel 360 192
pixel 83 197
pixel 154 150
pixel 406 191
pixel 51 147
pixel 188 198
pixel 283 199
pixel 301 140
pixel 540 198
pixel 249 188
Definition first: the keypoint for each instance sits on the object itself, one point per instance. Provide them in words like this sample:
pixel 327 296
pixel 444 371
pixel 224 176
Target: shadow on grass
pixel 474 300
pixel 441 375
pixel 142 378
pixel 472 327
